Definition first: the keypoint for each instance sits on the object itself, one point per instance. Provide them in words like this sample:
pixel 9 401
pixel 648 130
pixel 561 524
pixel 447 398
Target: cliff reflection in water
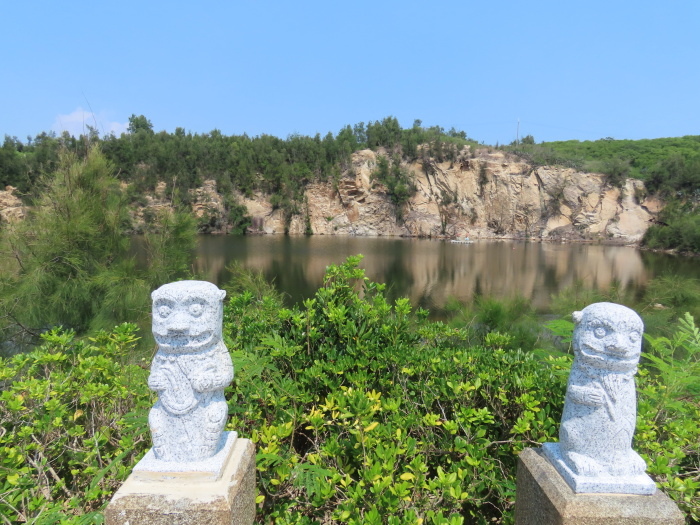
pixel 430 272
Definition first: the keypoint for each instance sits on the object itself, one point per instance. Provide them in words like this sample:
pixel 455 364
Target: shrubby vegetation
pixel 485 316
pixel 677 177
pixel 662 162
pixel 397 181
pixel 373 413
pixel 362 411
pixel 73 422
pixel 678 227
pixel 681 233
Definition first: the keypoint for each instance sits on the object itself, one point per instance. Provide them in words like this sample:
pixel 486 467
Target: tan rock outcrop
pixel 485 194
pixel 490 195
pixel 206 200
pixel 11 207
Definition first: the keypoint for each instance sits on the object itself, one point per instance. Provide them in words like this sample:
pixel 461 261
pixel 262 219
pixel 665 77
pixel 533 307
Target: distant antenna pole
pixel 517 133
pixel 94 119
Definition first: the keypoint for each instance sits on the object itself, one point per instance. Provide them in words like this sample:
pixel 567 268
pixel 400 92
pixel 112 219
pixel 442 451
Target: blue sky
pixel 565 70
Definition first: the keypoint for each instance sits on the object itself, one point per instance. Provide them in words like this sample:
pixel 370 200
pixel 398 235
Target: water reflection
pixel 430 272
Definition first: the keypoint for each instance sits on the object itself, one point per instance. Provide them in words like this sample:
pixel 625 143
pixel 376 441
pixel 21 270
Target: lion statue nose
pixel 617 344
pixel 178 324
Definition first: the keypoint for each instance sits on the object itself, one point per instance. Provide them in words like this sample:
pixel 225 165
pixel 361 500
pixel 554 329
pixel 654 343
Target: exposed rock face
pixel 490 196
pixel 265 219
pixel 207 207
pixel 11 207
pixel 151 206
pixel 207 200
pixel 356 206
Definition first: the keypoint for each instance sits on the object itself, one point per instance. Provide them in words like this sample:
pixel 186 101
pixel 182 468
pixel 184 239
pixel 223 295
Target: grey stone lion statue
pixel 594 453
pixel 189 372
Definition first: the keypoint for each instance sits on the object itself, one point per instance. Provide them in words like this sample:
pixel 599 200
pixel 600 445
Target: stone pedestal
pixel 190 497
pixel 544 498
pixel 605 483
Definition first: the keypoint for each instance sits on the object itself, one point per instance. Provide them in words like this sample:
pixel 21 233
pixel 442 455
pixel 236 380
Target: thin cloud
pixel 77 122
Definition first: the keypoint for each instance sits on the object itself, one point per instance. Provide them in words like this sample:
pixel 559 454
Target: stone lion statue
pixel 594 452
pixel 189 372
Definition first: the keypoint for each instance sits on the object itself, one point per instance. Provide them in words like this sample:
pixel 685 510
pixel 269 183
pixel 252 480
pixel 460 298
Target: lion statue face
pixel 608 336
pixel 187 316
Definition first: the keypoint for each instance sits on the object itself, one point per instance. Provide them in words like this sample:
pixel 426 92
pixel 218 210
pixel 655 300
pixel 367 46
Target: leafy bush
pixel 238 218
pixel 616 171
pixel 362 411
pixel 668 436
pixel 677 175
pixel 681 233
pixel 72 425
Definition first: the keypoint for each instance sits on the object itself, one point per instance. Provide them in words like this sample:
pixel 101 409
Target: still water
pixel 430 272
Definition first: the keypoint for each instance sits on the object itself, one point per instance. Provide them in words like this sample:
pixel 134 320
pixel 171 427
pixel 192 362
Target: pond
pixel 432 272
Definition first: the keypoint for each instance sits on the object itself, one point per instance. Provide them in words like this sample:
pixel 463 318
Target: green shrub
pixel 486 315
pixel 365 412
pixel 682 233
pixel 397 179
pixel 668 436
pixel 616 171
pixel 72 425
pixel 363 409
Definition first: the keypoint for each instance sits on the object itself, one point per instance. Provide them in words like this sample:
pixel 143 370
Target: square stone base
pixel 640 484
pixel 542 497
pixel 178 499
pixel 210 469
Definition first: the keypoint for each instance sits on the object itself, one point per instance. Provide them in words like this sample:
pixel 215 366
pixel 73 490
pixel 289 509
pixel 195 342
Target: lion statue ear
pixel 222 294
pixel 577 317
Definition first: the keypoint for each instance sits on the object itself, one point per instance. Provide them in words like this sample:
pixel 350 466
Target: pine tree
pixel 70 262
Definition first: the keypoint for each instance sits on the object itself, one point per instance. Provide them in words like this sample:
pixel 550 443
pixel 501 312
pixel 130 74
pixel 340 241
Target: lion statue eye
pixel 600 332
pixel 164 310
pixel 196 309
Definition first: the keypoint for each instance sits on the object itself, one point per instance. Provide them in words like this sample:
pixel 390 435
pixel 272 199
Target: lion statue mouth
pixel 183 342
pixel 611 361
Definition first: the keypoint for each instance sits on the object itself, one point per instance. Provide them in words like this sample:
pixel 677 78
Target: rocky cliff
pixel 488 195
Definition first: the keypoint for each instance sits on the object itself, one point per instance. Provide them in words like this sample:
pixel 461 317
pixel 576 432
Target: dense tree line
pixel 278 167
pixel 282 168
